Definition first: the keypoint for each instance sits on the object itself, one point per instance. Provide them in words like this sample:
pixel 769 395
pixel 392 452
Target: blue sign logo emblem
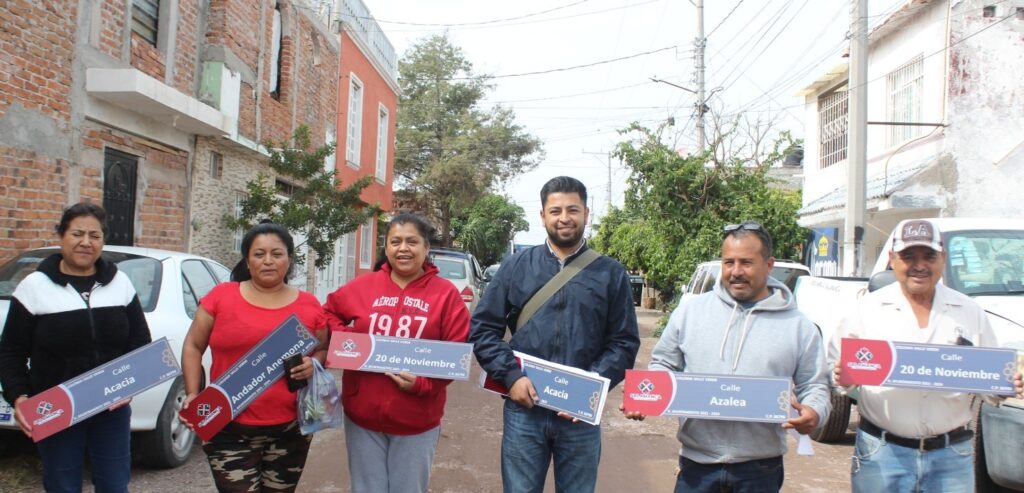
pixel 348 345
pixel 203 409
pixel 44 408
pixel 646 386
pixel 863 355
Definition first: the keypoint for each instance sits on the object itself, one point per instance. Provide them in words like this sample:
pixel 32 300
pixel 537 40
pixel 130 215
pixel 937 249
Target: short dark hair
pixel 82 209
pixel 241 271
pixel 423 227
pixel 754 228
pixel 563 184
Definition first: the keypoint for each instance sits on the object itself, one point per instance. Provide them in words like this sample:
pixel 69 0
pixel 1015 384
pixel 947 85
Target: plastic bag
pixel 319 402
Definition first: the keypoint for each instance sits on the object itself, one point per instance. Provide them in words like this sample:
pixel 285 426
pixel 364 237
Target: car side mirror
pixel 881 280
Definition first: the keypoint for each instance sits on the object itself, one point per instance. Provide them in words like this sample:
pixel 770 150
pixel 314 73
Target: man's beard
pixel 564 243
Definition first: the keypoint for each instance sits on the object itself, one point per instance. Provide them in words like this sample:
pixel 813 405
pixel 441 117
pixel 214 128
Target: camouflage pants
pixel 247 458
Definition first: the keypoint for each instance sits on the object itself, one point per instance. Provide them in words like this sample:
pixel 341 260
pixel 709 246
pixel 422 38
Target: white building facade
pixel 954 69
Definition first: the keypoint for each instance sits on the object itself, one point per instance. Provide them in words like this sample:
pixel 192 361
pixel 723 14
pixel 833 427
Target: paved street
pixel 636 456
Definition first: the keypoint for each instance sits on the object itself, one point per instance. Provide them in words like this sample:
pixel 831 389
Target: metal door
pixel 119 170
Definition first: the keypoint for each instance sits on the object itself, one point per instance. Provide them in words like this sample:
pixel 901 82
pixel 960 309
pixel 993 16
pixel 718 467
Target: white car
pixel 707 273
pixel 462 269
pixel 169 285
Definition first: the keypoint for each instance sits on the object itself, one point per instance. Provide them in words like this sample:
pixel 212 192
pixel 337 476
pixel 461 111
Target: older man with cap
pixel 908 439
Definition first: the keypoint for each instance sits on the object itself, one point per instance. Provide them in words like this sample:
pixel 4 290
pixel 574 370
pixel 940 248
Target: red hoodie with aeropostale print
pixel 428 308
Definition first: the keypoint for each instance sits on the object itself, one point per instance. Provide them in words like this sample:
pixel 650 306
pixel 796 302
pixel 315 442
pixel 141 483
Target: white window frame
pixel 275 53
pixel 237 235
pixel 904 88
pixel 381 170
pixel 329 161
pixel 366 244
pixel 354 134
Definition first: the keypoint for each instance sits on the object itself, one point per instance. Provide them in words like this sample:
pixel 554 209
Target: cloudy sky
pixel 759 53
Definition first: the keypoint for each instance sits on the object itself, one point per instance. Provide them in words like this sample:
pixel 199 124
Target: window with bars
pixel 146 19
pixel 382 144
pixel 833 118
pixel 903 87
pixel 355 120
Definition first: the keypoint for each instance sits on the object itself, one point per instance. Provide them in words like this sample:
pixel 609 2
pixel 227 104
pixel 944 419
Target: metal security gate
pixel 119 171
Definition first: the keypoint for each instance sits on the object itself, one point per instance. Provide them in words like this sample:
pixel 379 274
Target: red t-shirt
pixel 238 326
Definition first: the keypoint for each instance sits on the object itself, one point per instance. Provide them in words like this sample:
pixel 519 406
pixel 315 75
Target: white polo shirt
pixel 887 315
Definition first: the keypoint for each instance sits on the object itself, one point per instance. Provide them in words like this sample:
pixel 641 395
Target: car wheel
pixel 838 420
pixel 170 443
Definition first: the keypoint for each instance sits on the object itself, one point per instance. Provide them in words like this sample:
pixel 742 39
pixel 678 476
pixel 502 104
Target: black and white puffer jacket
pixel 53 333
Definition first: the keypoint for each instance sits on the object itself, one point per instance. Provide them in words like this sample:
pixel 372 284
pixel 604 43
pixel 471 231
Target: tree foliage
pixel 675 208
pixel 488 227
pixel 316 207
pixel 449 149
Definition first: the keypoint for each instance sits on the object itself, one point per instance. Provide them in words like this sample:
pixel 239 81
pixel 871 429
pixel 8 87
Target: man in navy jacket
pixel 589 324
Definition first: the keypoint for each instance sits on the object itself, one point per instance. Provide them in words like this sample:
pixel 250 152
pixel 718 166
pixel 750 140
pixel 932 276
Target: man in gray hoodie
pixel 748 325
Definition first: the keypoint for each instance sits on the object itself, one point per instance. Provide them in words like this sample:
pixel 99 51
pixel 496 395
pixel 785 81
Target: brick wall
pixel 147 58
pixel 186 49
pixel 160 190
pixel 35 80
pixel 36 60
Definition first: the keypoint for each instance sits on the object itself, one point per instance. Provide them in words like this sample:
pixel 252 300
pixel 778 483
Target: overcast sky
pixel 759 53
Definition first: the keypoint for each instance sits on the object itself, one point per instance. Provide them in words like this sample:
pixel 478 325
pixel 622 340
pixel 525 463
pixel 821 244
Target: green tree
pixel 675 208
pixel 488 227
pixel 317 206
pixel 450 151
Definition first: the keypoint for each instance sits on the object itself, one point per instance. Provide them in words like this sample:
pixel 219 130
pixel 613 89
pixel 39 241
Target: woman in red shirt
pixel 393 421
pixel 262 448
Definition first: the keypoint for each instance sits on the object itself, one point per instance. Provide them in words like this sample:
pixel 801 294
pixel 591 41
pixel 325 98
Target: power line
pixel 478 23
pixel 740 2
pixel 574 67
pixel 510 24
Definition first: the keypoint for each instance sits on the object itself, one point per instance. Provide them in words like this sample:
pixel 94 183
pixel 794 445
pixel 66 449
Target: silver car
pixel 169 285
pixel 462 269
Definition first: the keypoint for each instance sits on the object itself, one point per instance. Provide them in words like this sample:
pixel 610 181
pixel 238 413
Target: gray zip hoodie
pixel 713 334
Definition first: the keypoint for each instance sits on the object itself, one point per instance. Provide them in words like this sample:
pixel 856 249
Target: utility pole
pixel 856 156
pixel 608 163
pixel 699 65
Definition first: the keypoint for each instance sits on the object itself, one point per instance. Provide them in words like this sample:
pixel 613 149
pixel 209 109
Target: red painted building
pixel 367 101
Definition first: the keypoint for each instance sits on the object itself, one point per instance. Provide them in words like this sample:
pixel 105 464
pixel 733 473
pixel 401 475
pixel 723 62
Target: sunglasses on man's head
pixel 749 226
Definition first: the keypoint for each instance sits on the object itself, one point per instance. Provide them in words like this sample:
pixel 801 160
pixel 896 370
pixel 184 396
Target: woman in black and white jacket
pixel 76 312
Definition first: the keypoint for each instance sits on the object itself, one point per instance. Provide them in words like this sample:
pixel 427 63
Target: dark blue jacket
pixel 589 324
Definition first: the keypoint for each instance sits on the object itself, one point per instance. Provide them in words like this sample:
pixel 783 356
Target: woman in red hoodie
pixel 393 421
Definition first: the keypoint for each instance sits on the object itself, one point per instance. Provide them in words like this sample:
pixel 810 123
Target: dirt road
pixel 636 456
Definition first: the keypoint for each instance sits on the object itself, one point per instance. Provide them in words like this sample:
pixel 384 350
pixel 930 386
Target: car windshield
pixel 144 273
pixel 985 262
pixel 451 268
pixel 788 275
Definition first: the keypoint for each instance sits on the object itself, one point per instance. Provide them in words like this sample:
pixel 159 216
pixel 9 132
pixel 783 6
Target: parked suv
pixel 462 269
pixel 169 285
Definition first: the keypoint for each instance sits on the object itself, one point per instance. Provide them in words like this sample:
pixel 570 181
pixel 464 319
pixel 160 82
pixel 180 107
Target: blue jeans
pixel 533 436
pixel 755 476
pixel 106 438
pixel 881 466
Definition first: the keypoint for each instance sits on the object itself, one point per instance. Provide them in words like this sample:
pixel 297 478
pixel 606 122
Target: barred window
pixel 833 119
pixel 903 87
pixel 146 19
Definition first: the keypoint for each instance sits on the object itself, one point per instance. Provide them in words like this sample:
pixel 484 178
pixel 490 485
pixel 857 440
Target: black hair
pixel 423 227
pixel 82 209
pixel 241 271
pixel 563 184
pixel 754 228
